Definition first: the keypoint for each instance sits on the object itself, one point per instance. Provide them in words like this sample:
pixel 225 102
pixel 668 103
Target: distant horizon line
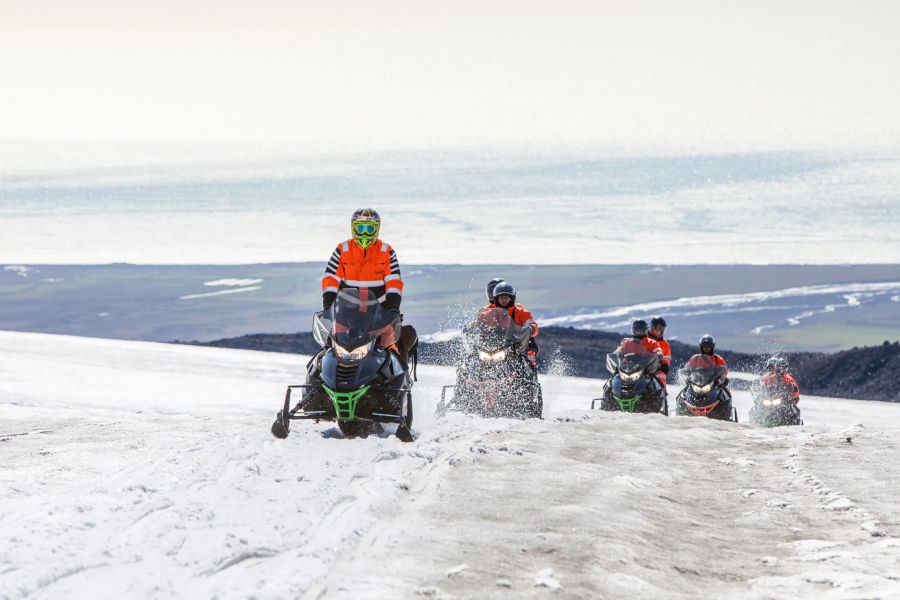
pixel 7 264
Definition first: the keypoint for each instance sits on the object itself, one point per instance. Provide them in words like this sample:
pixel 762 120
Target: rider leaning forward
pixel 776 372
pixel 707 347
pixel 641 342
pixel 502 294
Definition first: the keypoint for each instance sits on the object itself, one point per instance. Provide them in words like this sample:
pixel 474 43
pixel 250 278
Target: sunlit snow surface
pixel 142 470
pixel 455 207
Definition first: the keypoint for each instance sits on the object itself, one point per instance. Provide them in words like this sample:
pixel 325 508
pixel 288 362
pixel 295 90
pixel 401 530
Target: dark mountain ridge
pixel 866 373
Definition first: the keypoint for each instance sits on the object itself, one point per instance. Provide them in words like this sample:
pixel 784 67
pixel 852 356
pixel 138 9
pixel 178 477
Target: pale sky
pixel 395 73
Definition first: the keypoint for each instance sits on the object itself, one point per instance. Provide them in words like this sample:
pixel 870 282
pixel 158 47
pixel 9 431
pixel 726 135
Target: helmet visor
pixel 365 228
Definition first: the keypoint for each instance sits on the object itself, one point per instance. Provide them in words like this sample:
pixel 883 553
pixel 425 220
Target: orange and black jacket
pixel 375 268
pixel 666 356
pixel 521 315
pixel 790 382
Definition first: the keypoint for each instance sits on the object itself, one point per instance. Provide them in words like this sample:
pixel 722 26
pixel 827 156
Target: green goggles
pixel 365 228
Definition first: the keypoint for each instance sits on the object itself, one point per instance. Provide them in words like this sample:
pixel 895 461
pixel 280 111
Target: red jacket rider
pixel 708 347
pixel 504 296
pixel 639 343
pixel 777 372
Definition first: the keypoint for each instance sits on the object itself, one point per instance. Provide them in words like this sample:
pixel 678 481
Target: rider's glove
pixel 391 301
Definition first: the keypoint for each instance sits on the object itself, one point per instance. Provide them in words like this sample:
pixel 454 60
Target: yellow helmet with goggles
pixel 364 226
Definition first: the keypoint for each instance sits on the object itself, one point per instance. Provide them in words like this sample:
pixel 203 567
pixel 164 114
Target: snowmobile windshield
pixel 631 357
pixel 322 326
pixel 492 330
pixel 359 319
pixel 701 370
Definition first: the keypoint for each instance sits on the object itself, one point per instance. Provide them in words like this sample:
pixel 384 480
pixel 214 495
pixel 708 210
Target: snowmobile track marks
pixel 828 498
pixel 241 557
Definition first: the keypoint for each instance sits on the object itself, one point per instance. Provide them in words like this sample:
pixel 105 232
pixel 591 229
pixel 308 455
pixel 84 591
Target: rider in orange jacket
pixel 364 261
pixel 503 295
pixel 657 331
pixel 777 372
pixel 708 347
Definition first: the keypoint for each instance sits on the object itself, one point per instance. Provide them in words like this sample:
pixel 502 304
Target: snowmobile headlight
pixel 775 401
pixel 357 353
pixel 701 389
pixel 631 376
pixel 492 356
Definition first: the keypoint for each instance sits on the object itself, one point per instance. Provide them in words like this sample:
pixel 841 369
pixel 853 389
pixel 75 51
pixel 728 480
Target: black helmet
pixel 504 289
pixel 708 342
pixel 657 321
pixel 490 287
pixel 639 328
pixel 778 364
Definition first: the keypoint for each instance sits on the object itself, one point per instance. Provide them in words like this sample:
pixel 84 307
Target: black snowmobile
pixel 704 394
pixel 633 387
pixel 495 378
pixel 773 404
pixel 358 379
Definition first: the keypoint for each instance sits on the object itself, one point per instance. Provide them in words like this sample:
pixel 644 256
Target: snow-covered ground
pixel 140 470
